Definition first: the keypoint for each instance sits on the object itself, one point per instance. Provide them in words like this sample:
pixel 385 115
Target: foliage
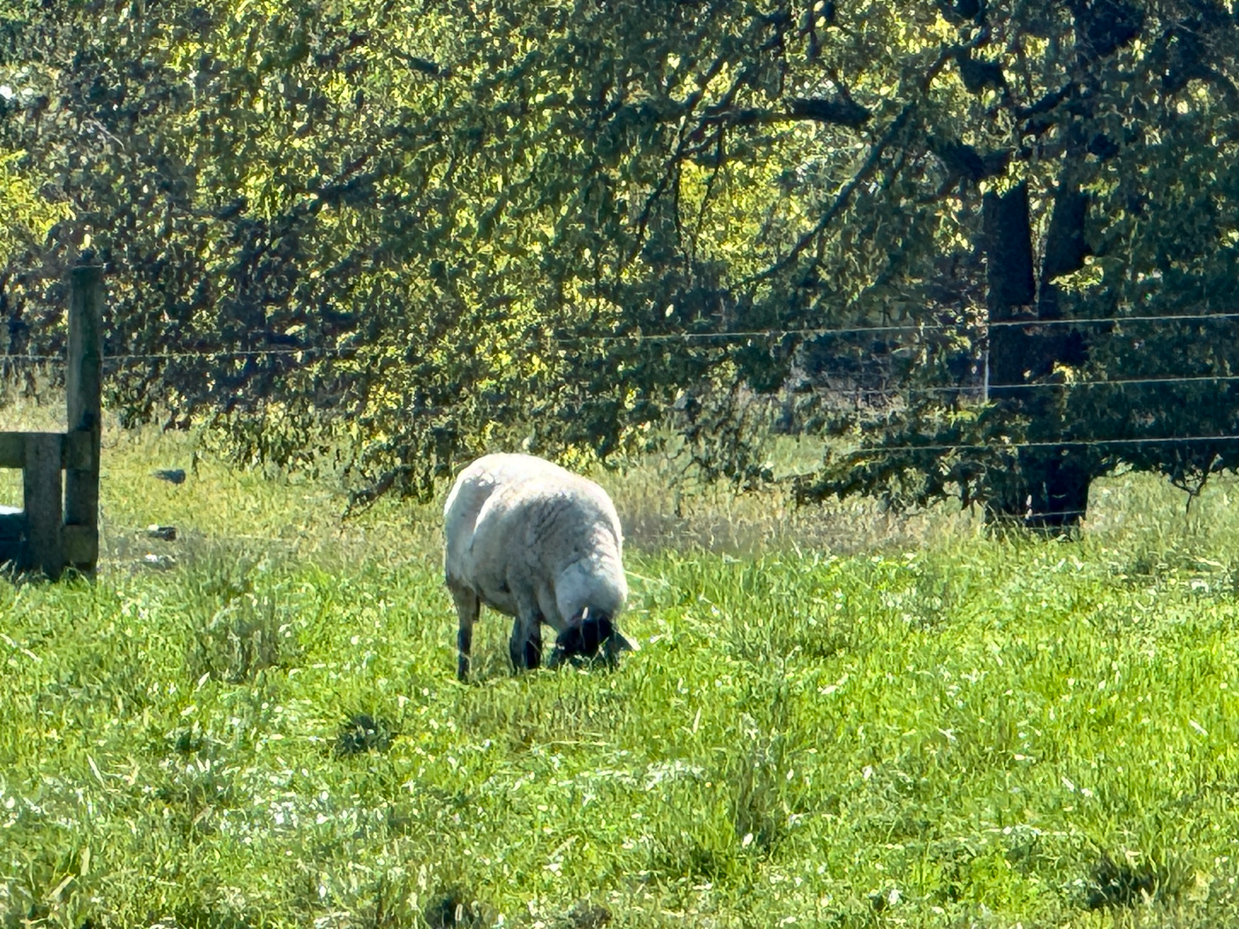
pixel 369 214
pixel 425 229
pixel 1089 157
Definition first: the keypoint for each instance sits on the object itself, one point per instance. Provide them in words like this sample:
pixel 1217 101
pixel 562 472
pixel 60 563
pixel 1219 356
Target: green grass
pixel 836 718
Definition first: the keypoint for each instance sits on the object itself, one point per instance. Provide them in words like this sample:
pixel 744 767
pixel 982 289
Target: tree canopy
pixel 426 228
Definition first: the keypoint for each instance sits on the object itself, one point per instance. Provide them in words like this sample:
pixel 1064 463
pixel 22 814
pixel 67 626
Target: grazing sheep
pixel 529 539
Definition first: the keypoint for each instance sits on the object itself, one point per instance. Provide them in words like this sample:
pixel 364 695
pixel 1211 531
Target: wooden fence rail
pixel 58 526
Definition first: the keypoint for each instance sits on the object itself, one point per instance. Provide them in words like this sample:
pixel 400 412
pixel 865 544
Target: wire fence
pixel 639 337
pixel 918 327
pixel 304 353
pixel 1048 443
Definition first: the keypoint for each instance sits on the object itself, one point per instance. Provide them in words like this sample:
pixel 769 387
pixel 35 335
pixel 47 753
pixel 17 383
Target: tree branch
pixel 871 162
pixel 841 200
pixel 842 112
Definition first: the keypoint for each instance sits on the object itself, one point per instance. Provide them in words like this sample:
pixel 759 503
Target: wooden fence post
pixel 41 489
pixel 83 383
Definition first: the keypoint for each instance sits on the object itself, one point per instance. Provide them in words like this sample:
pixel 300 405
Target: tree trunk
pixel 1047 487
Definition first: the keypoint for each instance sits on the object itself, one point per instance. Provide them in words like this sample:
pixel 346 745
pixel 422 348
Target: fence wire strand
pixel 734 335
pixel 308 352
pixel 876 450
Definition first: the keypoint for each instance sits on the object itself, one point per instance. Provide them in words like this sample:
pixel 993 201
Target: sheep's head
pixel 586 635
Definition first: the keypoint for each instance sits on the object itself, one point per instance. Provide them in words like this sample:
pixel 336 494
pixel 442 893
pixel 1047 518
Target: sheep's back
pixel 544 522
pixel 473 487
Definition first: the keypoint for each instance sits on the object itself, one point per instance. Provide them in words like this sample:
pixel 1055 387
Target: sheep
pixel 527 538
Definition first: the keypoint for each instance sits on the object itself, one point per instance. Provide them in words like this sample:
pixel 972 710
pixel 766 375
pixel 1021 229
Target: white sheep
pixel 541 544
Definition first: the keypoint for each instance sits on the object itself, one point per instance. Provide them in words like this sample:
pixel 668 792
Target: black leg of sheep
pixel 525 645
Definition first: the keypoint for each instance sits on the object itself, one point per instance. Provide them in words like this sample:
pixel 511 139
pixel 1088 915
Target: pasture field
pixel 837 718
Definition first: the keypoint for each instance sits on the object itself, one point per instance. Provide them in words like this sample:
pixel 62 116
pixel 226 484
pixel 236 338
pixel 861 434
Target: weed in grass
pixel 188 740
pixel 363 733
pixel 951 861
pixel 934 597
pixel 388 906
pixel 36 914
pixel 1156 559
pixel 882 899
pixel 760 807
pixel 400 819
pixel 812 634
pixel 223 575
pixel 244 637
pixel 195 790
pixel 203 915
pixel 691 857
pixel 93 676
pixel 37 893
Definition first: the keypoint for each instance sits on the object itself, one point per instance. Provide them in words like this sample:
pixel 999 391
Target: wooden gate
pixel 58 526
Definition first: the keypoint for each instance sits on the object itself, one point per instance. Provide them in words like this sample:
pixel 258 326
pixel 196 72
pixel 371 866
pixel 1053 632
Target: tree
pixel 1095 140
pixel 423 229
pixel 434 235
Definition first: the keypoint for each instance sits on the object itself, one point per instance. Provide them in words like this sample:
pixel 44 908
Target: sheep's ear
pixel 619 643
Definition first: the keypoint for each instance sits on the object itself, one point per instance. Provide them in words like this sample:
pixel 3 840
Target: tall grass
pixel 836 718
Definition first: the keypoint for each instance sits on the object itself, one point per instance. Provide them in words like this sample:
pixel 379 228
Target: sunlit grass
pixel 836 718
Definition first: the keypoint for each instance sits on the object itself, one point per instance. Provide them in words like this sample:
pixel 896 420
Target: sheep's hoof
pixel 533 653
pixel 525 655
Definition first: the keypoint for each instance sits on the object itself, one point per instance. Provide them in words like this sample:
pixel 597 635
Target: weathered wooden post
pixel 59 522
pixel 83 385
pixel 41 487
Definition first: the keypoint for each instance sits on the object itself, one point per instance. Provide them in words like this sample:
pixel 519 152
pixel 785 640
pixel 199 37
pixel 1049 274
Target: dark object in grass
pixel 452 909
pixel 1117 884
pixel 171 475
pixel 163 533
pixel 363 733
pixel 188 741
pixel 586 915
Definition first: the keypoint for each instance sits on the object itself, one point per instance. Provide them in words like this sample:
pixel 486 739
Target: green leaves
pixel 428 233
